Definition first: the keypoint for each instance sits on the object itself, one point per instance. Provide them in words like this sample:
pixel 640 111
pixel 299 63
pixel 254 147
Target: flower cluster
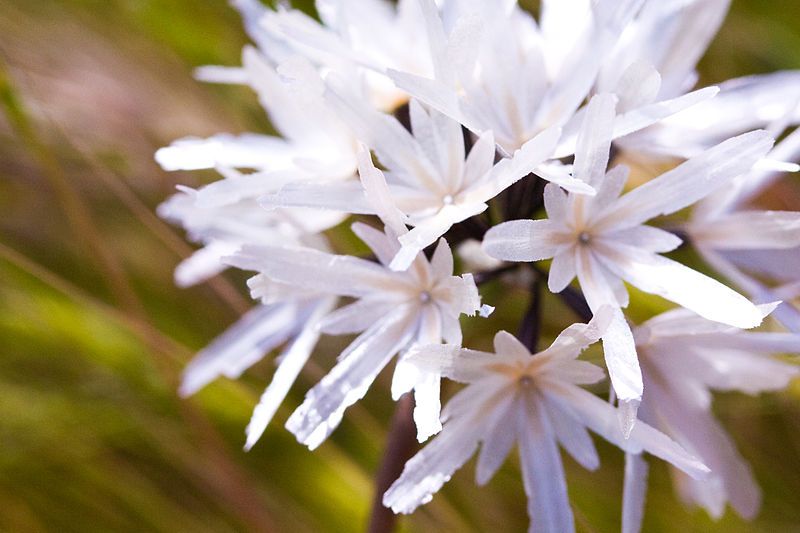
pixel 479 126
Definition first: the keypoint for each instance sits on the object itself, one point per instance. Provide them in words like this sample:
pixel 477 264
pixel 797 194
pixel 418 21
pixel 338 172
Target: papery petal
pixel 634 493
pixel 429 230
pixel 682 285
pixel 542 470
pixel 594 140
pixel 499 439
pixel 647 238
pixel 378 195
pixel 562 270
pixel 524 240
pixel 750 230
pixel 689 182
pixel 426 472
pixel 574 438
pixel 258 332
pixel 310 269
pixel 453 362
pixel 354 317
pixel 293 359
pixel 602 418
pixel 350 379
pixel 345 196
pixel 244 151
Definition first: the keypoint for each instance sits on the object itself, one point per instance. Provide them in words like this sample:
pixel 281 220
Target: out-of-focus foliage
pixel 93 333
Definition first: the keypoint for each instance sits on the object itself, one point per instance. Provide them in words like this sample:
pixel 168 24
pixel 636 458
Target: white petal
pixel 522 162
pixel 431 468
pixel 695 423
pixel 427 231
pixel 691 181
pixel 602 418
pixel 524 240
pixel 574 339
pixel 542 471
pixel 354 317
pixel 442 260
pixel 594 140
pixel 258 332
pixel 310 269
pixel 498 440
pixel 243 151
pixel 453 362
pixel 378 195
pixel 638 85
pixel 647 238
pixel 704 295
pixel 556 203
pixel 346 196
pixel 619 348
pixel 204 264
pixel 634 493
pixel 574 438
pixel 753 230
pixel 293 359
pixel 350 379
pixel 562 270
pixel 382 245
pixel 641 117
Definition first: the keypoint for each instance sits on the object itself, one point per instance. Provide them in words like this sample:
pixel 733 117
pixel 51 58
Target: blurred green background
pixel 93 334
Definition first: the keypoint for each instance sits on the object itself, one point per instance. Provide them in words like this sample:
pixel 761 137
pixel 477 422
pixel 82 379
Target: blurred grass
pixel 93 333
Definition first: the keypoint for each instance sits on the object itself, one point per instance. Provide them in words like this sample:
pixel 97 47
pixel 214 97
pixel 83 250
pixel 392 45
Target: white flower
pixel 672 37
pixel 498 71
pixel 430 178
pixel 534 401
pixel 315 143
pixel 603 239
pixel 360 39
pixel 223 229
pixel 393 310
pixel 684 358
pixel 746 245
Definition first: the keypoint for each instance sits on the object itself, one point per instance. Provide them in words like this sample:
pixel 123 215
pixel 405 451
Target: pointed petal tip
pixel 627 415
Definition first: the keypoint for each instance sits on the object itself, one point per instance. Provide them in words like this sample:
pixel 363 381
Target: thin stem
pixel 531 326
pixel 400 446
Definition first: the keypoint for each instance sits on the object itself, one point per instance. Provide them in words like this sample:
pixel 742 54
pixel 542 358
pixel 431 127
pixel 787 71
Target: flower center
pixel 584 237
pixel 424 297
pixel 448 200
pixel 526 381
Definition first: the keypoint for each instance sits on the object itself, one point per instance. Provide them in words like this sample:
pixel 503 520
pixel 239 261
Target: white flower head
pixel 431 180
pixel 498 70
pixel 393 311
pixel 603 240
pixel 672 37
pixel 757 250
pixel 535 401
pixel 360 39
pixel 684 358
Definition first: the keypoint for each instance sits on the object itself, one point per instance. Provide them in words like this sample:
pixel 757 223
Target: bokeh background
pixel 93 333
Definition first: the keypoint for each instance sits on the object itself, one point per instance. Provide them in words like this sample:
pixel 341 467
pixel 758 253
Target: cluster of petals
pixel 420 113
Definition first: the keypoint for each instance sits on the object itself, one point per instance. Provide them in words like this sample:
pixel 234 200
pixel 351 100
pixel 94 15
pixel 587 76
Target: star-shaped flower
pixel 535 401
pixel 603 239
pixel 542 75
pixel 393 311
pixel 684 358
pixel 431 179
